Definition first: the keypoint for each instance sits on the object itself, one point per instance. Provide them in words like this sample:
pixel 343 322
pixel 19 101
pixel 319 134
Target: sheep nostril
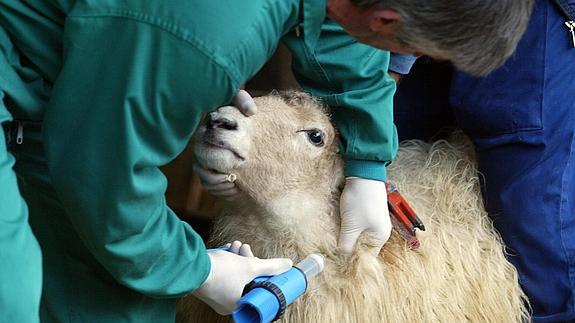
pixel 228 124
pixel 214 122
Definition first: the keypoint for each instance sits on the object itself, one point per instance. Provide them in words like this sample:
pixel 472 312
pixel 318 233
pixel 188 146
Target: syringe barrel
pixel 311 265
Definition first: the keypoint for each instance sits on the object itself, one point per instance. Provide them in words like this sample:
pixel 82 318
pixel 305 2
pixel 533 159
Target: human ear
pixel 383 19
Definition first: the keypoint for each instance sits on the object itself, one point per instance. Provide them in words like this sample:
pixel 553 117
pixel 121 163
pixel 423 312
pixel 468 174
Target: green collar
pixel 314 13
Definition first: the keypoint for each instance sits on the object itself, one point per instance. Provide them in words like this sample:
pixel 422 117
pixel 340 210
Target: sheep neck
pixel 298 224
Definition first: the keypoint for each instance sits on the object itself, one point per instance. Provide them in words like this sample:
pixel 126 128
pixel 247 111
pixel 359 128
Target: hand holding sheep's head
pixel 289 144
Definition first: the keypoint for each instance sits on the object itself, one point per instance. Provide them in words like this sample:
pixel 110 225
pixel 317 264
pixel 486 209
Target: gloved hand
pixel 219 184
pixel 239 248
pixel 363 207
pixel 231 271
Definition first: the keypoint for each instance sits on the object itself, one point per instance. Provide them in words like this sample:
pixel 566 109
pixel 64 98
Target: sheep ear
pixel 298 98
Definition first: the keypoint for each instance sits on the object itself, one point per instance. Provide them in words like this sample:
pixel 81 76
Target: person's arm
pixel 352 78
pixel 127 101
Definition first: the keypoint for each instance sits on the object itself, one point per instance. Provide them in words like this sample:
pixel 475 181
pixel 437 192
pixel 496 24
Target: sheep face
pixel 223 140
pixel 285 149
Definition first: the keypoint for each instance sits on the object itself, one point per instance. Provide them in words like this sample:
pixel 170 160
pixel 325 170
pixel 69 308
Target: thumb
pixel 347 241
pixel 271 267
pixel 244 101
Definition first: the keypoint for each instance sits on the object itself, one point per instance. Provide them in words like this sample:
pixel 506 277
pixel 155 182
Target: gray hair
pixel 477 36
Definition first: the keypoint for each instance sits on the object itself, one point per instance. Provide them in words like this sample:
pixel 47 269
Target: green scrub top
pixel 20 256
pixel 128 82
pixel 21 268
pixel 21 261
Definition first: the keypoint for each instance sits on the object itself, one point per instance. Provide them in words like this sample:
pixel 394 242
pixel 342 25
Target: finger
pixel 246 251
pixel 229 192
pixel 229 198
pixel 232 192
pixel 226 246
pixel 377 246
pixel 347 242
pixel 377 239
pixel 208 177
pixel 245 103
pixel 380 236
pixel 226 195
pixel 235 247
pixel 220 309
pixel 376 250
pixel 219 187
pixel 271 267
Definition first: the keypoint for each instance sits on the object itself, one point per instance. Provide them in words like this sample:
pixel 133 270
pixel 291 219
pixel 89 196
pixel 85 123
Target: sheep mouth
pixel 218 144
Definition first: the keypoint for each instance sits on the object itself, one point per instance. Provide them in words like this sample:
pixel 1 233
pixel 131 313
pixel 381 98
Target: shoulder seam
pixel 167 26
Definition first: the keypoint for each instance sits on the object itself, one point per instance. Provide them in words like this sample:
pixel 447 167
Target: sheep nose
pixel 216 121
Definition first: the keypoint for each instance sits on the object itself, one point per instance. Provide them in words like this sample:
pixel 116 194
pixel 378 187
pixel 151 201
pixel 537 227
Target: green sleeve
pixel 126 101
pixel 352 78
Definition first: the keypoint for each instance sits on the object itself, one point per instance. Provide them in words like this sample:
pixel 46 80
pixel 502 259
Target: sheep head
pixel 285 156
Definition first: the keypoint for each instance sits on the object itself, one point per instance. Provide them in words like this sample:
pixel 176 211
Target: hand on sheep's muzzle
pixel 230 272
pixel 363 207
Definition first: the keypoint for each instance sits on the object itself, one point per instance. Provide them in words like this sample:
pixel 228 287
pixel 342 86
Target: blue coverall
pixel 521 119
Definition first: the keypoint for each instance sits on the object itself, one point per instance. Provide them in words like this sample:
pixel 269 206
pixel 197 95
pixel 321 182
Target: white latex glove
pixel 219 184
pixel 239 248
pixel 244 101
pixel 363 207
pixel 231 271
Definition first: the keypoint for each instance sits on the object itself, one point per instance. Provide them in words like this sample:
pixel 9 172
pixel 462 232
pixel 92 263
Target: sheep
pixel 289 208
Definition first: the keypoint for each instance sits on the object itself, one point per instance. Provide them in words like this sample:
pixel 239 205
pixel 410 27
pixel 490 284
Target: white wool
pixel 460 273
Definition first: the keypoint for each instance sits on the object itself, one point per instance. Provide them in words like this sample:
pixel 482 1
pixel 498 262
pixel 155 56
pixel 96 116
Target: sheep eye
pixel 315 136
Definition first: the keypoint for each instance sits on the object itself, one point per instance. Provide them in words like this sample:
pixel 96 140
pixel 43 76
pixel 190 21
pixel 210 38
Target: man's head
pixel 476 35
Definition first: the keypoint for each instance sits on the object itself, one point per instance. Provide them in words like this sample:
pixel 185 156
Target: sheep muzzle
pixel 223 141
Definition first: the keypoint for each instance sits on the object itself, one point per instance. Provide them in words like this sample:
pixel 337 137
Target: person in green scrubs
pixel 111 90
pixel 20 256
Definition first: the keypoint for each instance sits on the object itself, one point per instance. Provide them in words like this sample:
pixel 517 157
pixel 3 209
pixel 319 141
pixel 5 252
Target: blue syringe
pixel 266 298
